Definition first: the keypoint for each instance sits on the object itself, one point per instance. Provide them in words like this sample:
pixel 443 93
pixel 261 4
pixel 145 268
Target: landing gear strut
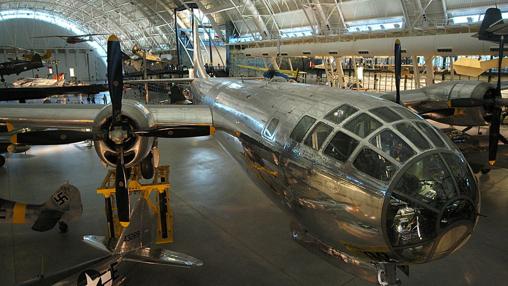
pixel 156 193
pixel 387 274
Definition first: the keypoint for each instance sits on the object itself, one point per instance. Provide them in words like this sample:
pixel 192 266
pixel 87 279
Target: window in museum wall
pixel 317 137
pixel 340 114
pixel 301 128
pixel 341 146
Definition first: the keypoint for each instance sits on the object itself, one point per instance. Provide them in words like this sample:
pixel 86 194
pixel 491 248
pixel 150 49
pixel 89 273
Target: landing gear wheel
pixel 63 227
pixel 485 171
pixel 147 167
pixel 2 161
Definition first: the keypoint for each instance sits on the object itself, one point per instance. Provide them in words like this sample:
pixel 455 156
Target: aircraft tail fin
pixel 136 242
pixel 64 204
pixel 492 16
pixel 140 231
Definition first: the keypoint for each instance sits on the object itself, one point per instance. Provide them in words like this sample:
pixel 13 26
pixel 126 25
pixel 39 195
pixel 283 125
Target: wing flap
pixel 173 115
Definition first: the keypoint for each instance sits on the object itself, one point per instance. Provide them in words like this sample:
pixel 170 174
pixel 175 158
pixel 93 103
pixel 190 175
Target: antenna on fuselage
pixel 398 69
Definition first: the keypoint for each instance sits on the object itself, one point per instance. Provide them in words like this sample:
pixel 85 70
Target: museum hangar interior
pixel 256 142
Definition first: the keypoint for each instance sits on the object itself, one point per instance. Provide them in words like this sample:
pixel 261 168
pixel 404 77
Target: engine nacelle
pixel 434 101
pixel 136 148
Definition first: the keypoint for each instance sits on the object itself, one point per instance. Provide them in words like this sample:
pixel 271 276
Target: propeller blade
pixel 398 69
pixel 52 137
pixel 121 191
pixel 115 76
pixel 495 123
pixel 177 131
pixel 494 135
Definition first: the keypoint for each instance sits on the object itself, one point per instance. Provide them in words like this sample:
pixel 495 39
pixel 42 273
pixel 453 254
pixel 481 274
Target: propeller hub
pixel 118 135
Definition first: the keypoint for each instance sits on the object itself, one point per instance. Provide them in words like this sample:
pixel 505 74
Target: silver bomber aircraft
pixel 369 184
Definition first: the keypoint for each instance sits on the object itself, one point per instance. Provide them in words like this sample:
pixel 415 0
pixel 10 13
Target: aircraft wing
pixel 79 116
pixel 23 93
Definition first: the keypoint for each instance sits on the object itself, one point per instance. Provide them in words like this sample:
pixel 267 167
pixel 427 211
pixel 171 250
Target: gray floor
pixel 221 218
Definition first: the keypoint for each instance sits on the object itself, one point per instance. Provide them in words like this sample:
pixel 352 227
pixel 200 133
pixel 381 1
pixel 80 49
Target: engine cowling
pixel 136 148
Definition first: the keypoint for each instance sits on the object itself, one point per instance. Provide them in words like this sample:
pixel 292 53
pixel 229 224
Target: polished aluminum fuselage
pixel 333 201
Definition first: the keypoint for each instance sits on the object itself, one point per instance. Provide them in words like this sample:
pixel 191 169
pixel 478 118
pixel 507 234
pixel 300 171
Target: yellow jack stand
pixel 159 202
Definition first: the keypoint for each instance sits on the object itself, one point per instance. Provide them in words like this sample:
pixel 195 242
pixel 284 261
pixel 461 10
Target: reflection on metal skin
pixel 345 212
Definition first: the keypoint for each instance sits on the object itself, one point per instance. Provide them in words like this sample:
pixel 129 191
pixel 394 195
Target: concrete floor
pixel 220 218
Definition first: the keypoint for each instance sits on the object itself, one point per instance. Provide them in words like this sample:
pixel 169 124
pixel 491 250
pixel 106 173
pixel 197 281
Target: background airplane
pixel 17 66
pixel 63 206
pixel 136 244
pixel 72 39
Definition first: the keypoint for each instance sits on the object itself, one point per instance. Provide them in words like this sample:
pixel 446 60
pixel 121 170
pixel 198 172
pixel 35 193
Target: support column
pixel 274 63
pixel 452 71
pixel 429 67
pixel 416 71
pixel 340 72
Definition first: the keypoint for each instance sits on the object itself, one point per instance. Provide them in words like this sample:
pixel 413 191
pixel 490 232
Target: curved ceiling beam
pixel 65 11
pixel 87 15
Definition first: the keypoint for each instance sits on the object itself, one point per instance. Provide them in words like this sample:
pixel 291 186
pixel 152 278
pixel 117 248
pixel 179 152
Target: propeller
pixel 119 129
pixel 52 137
pixel 495 123
pixel 182 131
pixel 398 69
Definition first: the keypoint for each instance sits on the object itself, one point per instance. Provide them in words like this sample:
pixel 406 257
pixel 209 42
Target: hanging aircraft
pixel 63 206
pixel 270 72
pixel 72 39
pixel 136 244
pixel 17 66
pixel 370 184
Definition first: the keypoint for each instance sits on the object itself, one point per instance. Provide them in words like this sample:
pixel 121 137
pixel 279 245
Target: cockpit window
pixel 431 133
pixel 338 115
pixel 341 146
pixel 386 114
pixel 406 113
pixel 428 181
pixel 363 125
pixel 408 130
pixel 301 128
pixel 269 132
pixel 318 135
pixel 463 177
pixel 375 165
pixel 391 144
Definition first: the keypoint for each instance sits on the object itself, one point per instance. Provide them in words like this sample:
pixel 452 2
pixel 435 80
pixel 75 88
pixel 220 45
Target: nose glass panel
pixel 431 209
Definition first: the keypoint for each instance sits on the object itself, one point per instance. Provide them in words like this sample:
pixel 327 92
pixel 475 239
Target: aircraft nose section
pixel 432 207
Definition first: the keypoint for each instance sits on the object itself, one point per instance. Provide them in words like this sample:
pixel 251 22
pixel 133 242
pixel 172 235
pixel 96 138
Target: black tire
pixel 2 161
pixel 63 227
pixel 485 171
pixel 147 167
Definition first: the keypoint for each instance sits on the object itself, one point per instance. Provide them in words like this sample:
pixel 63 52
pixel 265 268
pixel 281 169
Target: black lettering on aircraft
pixel 131 236
pixel 60 198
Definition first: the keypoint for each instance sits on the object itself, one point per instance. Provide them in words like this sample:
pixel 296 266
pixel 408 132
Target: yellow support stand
pixel 156 193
